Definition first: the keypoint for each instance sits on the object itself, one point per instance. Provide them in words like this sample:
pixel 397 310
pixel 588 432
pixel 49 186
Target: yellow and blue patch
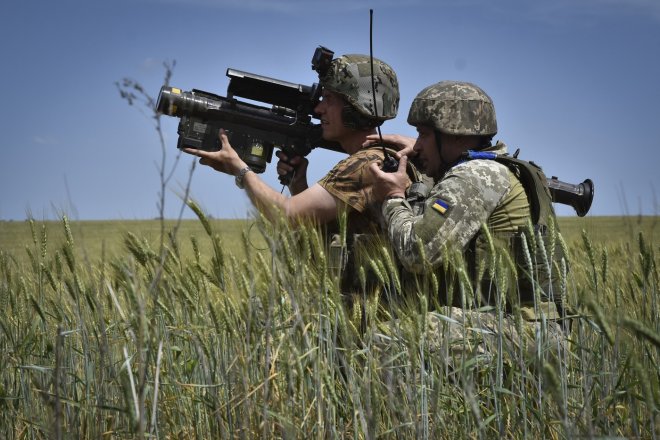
pixel 441 206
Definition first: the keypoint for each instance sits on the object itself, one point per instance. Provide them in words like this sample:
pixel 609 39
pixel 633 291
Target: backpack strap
pixel 532 178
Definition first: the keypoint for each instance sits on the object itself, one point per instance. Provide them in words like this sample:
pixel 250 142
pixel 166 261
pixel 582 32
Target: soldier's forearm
pixel 263 197
pixel 400 221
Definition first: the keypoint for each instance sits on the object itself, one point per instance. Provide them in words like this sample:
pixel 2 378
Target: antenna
pixel 390 164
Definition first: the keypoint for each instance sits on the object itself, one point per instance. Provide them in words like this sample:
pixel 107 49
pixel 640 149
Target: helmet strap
pixel 438 143
pixel 446 165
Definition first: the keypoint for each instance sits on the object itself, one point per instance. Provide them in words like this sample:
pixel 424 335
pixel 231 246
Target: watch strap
pixel 241 175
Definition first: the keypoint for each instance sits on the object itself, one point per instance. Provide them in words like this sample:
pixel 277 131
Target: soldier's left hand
pixel 390 184
pixel 226 160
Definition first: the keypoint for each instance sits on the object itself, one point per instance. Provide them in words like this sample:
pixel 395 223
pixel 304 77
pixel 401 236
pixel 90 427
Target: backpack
pixel 530 255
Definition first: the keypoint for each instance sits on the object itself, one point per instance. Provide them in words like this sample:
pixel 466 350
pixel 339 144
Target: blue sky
pixel 575 85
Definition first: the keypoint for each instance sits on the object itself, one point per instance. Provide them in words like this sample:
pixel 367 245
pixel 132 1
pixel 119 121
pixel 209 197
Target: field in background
pixel 97 238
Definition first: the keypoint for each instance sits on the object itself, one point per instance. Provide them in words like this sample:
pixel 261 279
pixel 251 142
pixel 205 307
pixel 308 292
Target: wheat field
pixel 239 329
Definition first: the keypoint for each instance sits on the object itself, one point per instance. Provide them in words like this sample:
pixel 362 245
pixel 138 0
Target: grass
pixel 215 338
pixel 610 230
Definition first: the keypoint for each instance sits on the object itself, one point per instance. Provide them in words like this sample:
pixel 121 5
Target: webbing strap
pixel 532 178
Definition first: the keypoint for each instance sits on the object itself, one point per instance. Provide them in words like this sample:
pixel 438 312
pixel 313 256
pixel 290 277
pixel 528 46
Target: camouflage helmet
pixel 455 108
pixel 350 76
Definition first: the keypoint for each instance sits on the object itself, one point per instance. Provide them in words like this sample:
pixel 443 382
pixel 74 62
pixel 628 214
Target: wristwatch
pixel 241 174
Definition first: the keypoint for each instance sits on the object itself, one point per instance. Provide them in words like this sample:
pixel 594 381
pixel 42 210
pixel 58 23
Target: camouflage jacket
pixel 469 195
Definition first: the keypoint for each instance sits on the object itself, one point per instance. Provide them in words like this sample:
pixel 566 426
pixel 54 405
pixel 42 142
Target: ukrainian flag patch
pixel 441 206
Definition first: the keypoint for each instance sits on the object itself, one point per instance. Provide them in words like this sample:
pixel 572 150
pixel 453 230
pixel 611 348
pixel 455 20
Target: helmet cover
pixel 350 76
pixel 455 108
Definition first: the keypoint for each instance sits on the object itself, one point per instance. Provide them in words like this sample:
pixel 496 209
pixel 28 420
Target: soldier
pixel 348 115
pixel 479 205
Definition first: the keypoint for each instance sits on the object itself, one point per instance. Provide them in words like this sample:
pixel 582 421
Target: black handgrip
pixel 285 179
pixel 290 153
pixel 390 164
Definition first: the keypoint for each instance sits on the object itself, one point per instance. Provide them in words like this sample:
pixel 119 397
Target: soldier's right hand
pixel 390 184
pixel 226 160
pixel 296 166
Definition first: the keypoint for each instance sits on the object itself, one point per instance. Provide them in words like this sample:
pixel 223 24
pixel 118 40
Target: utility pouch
pixel 416 196
pixel 346 258
pixel 338 255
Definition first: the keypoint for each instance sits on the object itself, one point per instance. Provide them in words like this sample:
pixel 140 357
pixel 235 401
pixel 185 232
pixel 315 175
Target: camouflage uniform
pixel 351 182
pixel 471 195
pixel 371 92
pixel 476 192
pixel 457 336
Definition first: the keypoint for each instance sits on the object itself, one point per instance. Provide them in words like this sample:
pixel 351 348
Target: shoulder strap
pixel 532 178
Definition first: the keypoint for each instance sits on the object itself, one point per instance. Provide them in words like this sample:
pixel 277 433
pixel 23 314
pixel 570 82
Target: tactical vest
pixel 536 250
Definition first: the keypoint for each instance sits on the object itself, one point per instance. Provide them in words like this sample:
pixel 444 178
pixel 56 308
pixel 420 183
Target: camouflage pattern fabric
pixel 456 108
pixel 457 335
pixel 350 76
pixel 351 182
pixel 458 205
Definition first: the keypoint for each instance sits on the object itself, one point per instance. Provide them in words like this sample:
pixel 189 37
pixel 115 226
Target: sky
pixel 574 82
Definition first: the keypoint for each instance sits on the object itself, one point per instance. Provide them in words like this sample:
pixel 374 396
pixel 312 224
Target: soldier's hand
pixel 390 184
pixel 296 166
pixel 404 144
pixel 226 160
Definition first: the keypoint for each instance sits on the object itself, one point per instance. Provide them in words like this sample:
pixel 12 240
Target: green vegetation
pixel 96 240
pixel 241 331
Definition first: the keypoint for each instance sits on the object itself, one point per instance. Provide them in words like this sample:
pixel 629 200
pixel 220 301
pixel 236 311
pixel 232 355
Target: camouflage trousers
pixel 455 336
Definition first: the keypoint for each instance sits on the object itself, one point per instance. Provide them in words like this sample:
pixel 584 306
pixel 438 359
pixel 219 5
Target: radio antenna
pixel 390 164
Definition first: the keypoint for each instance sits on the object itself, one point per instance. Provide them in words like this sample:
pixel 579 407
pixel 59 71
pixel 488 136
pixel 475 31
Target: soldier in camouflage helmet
pixel 455 108
pixel 347 111
pixel 350 77
pixel 475 190
pixel 452 118
pixel 461 117
pixel 348 115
